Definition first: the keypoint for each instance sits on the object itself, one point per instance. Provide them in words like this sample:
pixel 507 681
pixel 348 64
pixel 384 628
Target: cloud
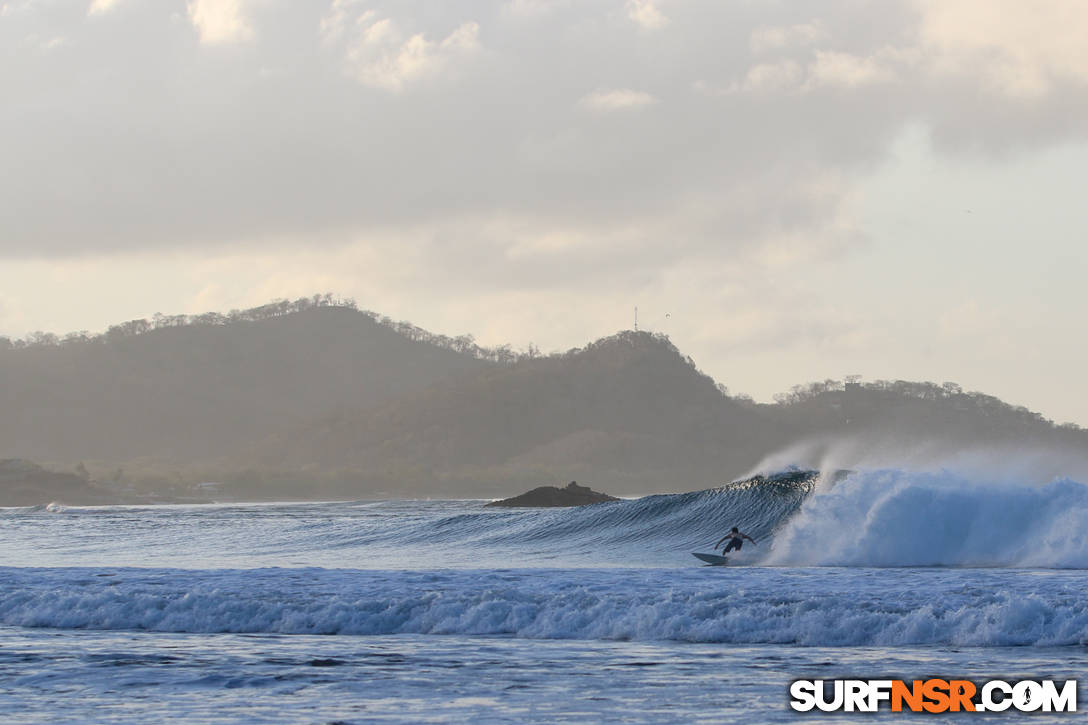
pixel 100 7
pixel 13 8
pixel 378 53
pixel 533 8
pixel 339 17
pixel 646 14
pixel 1015 49
pixel 772 77
pixel 1021 49
pixel 618 99
pixel 775 38
pixel 345 115
pixel 218 22
pixel 825 70
pixel 832 69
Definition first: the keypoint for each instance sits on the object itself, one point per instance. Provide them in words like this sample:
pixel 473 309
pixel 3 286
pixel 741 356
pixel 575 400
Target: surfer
pixel 736 540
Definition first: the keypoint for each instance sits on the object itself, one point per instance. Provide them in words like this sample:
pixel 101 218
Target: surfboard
pixel 712 559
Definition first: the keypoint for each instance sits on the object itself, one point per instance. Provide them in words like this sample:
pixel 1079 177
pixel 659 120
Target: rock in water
pixel 571 495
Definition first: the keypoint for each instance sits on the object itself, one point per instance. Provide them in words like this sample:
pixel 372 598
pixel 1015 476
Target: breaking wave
pixel 879 518
pixel 999 608
pixel 864 518
pixel 883 557
pixel 906 518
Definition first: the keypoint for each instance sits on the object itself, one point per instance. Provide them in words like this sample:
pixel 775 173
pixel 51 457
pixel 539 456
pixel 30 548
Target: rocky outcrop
pixel 552 496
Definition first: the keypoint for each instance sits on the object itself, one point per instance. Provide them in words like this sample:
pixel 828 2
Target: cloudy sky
pixel 790 190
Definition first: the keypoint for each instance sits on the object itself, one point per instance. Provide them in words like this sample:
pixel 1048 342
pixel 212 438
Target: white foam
pixel 809 607
pixel 908 518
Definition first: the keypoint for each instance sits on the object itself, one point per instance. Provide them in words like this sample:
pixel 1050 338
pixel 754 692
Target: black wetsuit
pixel 734 543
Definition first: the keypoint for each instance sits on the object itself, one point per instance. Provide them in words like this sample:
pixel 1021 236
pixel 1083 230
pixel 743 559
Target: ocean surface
pixel 447 611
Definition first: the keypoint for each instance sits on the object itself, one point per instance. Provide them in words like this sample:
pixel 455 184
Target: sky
pixel 791 191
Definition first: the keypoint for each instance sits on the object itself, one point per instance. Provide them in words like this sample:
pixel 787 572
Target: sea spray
pixel 899 517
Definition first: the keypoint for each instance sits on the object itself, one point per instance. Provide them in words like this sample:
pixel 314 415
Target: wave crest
pixel 905 518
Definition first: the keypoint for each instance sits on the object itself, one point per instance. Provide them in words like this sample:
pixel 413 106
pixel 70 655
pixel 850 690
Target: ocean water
pixel 447 611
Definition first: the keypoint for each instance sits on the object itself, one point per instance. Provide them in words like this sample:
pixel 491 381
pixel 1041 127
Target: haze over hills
pixel 23 483
pixel 886 422
pixel 181 389
pixel 316 399
pixel 913 410
pixel 628 413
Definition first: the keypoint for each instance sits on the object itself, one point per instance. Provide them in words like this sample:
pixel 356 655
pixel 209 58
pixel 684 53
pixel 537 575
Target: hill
pixel 181 389
pixel 627 413
pixel 23 483
pixel 936 417
pixel 316 399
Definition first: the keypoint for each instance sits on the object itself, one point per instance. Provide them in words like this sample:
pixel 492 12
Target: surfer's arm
pixel 721 540
pixel 749 538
